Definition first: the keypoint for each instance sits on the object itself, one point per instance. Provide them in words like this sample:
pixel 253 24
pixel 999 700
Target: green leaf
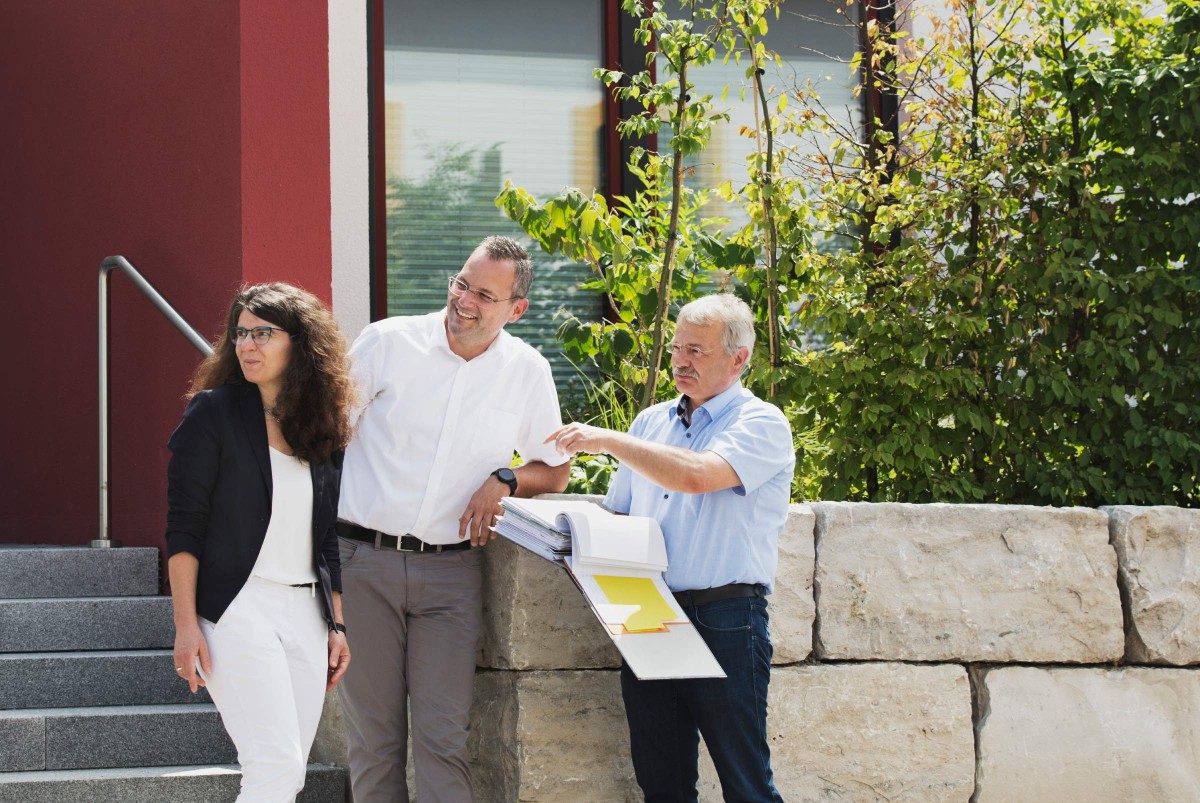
pixel 622 342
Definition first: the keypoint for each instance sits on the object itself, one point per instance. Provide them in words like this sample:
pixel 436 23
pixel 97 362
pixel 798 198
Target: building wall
pixel 284 108
pixel 193 140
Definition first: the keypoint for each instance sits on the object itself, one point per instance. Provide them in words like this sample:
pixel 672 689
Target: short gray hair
pixel 506 249
pixel 735 317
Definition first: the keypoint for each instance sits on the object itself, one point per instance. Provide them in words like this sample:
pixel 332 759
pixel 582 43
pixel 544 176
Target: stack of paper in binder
pixel 530 523
pixel 617 562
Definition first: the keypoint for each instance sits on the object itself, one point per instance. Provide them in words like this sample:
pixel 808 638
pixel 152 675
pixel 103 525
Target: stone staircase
pixel 90 706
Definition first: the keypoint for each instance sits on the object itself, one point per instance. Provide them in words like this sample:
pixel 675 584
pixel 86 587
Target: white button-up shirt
pixel 432 426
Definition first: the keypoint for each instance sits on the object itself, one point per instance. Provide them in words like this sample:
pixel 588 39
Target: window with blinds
pixel 477 92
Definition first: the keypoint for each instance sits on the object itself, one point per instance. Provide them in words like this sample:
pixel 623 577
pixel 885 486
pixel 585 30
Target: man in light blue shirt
pixel 714 468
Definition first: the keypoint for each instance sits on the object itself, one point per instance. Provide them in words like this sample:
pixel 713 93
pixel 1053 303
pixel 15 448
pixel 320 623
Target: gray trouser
pixel 414 622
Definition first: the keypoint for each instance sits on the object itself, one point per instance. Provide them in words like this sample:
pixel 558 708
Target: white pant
pixel 270 658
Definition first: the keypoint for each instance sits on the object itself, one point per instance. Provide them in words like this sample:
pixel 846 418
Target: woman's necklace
pixel 271 412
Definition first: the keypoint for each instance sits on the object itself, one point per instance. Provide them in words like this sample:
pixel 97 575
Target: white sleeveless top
pixel 287 551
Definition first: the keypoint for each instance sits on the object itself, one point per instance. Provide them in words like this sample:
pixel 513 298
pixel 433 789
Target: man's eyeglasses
pixel 261 335
pixel 459 288
pixel 692 352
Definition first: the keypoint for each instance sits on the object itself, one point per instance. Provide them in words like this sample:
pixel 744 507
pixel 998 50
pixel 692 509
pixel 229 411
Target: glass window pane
pixel 475 93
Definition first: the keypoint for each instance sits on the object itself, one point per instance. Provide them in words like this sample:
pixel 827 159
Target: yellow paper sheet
pixel 652 610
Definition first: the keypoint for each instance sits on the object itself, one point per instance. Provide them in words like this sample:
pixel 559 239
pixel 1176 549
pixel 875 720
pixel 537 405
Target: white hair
pixel 735 317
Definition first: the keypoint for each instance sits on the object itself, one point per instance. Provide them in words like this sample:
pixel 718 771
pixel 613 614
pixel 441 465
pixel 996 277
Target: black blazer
pixel 219 497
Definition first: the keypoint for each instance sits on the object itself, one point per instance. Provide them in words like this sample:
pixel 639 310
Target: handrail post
pixel 160 303
pixel 105 539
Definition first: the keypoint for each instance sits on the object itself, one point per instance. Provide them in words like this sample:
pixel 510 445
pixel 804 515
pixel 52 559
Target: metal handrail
pixel 160 303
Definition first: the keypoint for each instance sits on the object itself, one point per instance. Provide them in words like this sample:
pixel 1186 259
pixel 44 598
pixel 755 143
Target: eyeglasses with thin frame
pixel 459 288
pixel 261 335
pixel 692 352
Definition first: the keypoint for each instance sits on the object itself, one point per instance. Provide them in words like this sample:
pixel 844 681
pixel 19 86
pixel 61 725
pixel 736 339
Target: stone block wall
pixel 922 653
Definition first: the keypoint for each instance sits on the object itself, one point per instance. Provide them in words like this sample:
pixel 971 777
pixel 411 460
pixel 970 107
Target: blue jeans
pixel 668 717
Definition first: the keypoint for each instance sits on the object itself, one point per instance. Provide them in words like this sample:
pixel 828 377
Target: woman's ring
pixel 179 669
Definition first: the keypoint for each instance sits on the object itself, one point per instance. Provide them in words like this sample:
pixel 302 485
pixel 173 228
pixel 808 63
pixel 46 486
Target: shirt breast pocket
pixel 495 437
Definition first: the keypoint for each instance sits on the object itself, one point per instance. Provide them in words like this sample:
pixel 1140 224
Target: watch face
pixel 508 477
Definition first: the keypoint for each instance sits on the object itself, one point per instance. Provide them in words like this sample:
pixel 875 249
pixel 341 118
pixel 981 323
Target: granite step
pixel 79 679
pixel 213 783
pixel 28 572
pixel 96 623
pixel 112 736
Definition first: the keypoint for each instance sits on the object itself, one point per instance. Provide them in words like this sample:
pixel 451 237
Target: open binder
pixel 617 562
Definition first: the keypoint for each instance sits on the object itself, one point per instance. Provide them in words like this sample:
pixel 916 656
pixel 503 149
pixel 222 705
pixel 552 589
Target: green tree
pixel 987 333
pixel 1004 287
pixel 1114 227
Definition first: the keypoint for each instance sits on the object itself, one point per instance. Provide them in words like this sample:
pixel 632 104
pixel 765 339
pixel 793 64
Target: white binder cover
pixel 617 562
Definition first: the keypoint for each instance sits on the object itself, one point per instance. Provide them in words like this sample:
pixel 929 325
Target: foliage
pixel 1017 324
pixel 1133 219
pixel 1015 318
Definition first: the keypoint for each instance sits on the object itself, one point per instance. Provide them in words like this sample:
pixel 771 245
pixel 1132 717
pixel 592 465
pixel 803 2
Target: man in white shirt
pixel 447 398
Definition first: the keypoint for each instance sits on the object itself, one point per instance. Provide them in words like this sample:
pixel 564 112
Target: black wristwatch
pixel 508 477
pixel 337 627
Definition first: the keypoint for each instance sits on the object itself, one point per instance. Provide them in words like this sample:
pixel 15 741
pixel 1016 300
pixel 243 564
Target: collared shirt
pixel 728 536
pixel 433 426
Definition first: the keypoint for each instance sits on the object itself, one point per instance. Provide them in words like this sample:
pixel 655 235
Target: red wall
pixel 285 143
pixel 194 140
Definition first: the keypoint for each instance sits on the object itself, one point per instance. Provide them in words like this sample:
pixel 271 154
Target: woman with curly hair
pixel 252 496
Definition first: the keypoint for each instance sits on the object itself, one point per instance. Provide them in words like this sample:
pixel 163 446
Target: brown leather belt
pixel 732 591
pixel 400 543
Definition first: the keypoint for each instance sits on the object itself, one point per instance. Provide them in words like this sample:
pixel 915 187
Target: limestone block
pixel 792 608
pixel 966 583
pixel 867 732
pixel 329 745
pixel 535 617
pixel 1158 551
pixel 843 732
pixel 1084 735
pixel 550 736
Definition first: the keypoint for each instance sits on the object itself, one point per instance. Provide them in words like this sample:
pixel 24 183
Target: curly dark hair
pixel 317 389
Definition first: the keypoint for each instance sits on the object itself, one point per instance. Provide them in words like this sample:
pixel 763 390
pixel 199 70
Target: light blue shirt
pixel 728 536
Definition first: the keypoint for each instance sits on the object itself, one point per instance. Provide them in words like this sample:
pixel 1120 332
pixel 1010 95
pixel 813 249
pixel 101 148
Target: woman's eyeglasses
pixel 261 335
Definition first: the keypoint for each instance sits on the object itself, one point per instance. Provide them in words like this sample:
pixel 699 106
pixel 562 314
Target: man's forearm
pixel 539 478
pixel 671 467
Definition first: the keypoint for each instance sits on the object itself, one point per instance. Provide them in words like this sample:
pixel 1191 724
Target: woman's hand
pixel 189 641
pixel 190 645
pixel 339 658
